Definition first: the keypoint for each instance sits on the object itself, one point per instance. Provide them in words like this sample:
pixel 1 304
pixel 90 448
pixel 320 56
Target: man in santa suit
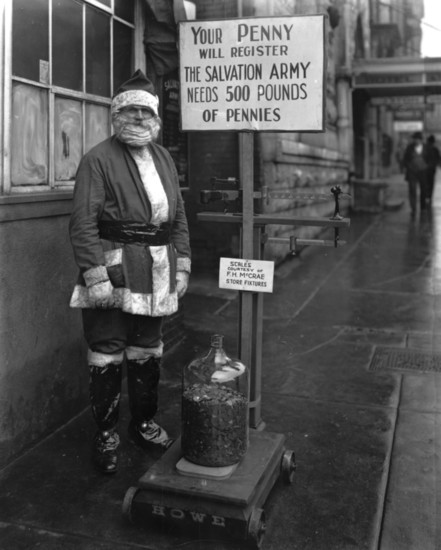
pixel 130 239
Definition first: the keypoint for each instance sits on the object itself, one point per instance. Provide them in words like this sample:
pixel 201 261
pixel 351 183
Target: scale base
pixel 221 508
pixel 187 468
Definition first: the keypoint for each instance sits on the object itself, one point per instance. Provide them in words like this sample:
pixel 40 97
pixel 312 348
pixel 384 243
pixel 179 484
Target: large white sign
pixel 252 275
pixel 259 74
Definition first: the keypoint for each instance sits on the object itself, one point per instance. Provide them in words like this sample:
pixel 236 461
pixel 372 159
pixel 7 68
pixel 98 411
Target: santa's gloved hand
pixel 101 295
pixel 182 278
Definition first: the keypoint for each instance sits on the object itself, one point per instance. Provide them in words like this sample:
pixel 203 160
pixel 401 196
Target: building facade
pixel 60 62
pixel 395 91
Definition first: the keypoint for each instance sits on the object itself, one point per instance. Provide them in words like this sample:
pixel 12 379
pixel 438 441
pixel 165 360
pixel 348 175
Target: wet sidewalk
pixel 351 377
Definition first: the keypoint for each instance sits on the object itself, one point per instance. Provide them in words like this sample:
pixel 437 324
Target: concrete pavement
pixel 351 377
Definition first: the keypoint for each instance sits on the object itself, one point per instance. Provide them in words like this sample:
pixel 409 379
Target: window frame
pixel 138 60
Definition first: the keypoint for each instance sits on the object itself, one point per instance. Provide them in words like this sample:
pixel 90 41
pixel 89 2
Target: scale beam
pixel 268 219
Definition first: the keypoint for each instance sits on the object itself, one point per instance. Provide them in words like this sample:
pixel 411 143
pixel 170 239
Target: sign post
pixel 251 305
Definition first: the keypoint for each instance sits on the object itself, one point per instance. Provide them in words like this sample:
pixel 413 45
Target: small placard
pixel 44 71
pixel 251 275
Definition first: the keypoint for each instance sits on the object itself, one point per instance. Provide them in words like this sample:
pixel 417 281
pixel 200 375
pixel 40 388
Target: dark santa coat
pixel 109 187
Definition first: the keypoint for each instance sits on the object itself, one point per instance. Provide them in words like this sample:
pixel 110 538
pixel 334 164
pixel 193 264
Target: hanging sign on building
pixel 258 74
pixel 251 275
pixel 398 101
pixel 408 126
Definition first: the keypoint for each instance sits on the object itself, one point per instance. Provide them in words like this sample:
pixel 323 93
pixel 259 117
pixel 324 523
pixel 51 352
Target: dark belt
pixel 134 232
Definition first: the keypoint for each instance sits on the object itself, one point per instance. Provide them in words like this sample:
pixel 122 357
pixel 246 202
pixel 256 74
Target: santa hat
pixel 138 90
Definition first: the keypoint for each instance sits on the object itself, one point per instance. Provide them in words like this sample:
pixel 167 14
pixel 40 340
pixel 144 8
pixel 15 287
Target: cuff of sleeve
pixel 95 275
pixel 184 264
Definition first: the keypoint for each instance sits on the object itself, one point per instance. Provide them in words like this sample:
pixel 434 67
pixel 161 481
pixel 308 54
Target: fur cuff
pixel 184 264
pixel 95 275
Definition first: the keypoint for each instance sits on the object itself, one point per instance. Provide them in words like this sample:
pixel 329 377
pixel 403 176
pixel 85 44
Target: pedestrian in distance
pixel 130 239
pixel 433 159
pixel 415 169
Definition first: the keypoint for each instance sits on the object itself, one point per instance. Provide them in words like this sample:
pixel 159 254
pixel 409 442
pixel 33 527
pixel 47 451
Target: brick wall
pixel 307 171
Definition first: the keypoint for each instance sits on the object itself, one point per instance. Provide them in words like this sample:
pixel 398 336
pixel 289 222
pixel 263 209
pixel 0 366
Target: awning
pixel 398 76
pixel 161 33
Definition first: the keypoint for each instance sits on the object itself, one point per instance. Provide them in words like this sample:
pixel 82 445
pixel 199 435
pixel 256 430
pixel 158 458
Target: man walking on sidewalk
pixel 415 167
pixel 432 156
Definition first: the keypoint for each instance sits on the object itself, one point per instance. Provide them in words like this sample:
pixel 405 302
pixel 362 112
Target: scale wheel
pixel 288 466
pixel 256 527
pixel 127 502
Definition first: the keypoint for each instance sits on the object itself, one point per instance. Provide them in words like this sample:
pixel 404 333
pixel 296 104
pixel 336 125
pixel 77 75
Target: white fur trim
pixel 130 302
pixel 152 185
pixel 160 276
pixel 135 353
pixel 100 291
pixel 135 97
pixel 95 275
pixel 183 264
pixel 113 257
pixel 98 359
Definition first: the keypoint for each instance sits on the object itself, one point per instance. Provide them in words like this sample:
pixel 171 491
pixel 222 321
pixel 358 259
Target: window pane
pixel 67 46
pixel 68 136
pixel 97 52
pixel 122 54
pixel 30 39
pixel 125 9
pixel 97 124
pixel 29 141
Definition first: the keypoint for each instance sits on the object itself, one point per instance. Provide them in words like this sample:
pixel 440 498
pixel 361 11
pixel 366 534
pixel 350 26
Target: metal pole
pixel 250 312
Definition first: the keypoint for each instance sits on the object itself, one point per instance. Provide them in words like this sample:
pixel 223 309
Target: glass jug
pixel 215 397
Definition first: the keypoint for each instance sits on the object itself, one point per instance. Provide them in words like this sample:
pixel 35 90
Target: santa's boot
pixel 105 394
pixel 142 385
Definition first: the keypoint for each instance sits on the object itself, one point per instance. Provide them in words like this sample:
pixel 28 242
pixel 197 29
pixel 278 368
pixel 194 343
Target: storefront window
pixel 68 134
pixel 68 56
pixel 122 53
pixel 97 52
pixel 97 124
pixel 125 10
pixel 30 38
pixel 67 41
pixel 29 140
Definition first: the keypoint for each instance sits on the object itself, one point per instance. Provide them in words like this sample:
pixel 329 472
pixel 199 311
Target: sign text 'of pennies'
pixel 251 275
pixel 254 74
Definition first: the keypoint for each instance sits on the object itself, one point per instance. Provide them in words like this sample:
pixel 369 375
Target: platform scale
pixel 229 504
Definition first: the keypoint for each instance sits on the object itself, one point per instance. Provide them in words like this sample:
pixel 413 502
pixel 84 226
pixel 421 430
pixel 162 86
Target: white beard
pixel 136 135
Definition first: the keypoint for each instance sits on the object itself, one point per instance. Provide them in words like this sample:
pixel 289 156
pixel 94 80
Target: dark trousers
pixel 430 182
pixel 111 331
pixel 415 182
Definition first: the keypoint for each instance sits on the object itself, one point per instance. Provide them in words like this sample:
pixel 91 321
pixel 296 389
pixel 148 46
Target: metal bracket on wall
pixel 297 244
pixel 336 192
pixel 234 196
